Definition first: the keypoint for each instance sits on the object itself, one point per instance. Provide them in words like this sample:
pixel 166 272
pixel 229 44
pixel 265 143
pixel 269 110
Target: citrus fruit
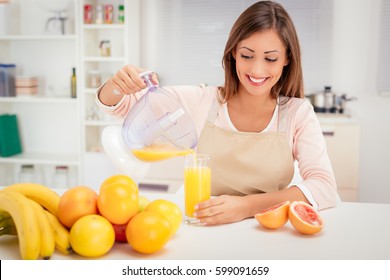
pixel 120 232
pixel 143 202
pixel 75 203
pixel 148 232
pixel 119 178
pixel 274 217
pixel 305 218
pixel 92 236
pixel 118 202
pixel 169 209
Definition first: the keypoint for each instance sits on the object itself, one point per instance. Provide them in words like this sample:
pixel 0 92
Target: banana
pixel 7 226
pixel 47 232
pixel 24 218
pixel 61 234
pixel 45 196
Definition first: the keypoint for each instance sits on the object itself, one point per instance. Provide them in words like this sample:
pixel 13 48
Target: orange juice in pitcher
pixel 157 152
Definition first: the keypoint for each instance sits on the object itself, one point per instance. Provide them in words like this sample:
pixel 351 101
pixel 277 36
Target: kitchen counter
pixel 352 231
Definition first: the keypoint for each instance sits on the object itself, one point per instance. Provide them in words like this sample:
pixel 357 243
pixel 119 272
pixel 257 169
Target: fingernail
pixel 196 207
pixel 115 91
pixel 195 214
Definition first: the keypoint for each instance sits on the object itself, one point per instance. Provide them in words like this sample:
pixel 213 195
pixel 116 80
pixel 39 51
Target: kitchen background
pixel 345 45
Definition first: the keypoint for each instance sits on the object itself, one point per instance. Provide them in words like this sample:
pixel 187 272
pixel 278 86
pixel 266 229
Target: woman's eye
pixel 246 56
pixel 271 59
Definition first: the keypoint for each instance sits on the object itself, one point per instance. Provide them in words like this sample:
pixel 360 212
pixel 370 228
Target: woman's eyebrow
pixel 271 51
pixel 266 52
pixel 247 49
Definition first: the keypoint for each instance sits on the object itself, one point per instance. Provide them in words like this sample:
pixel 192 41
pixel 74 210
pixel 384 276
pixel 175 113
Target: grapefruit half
pixel 305 218
pixel 274 217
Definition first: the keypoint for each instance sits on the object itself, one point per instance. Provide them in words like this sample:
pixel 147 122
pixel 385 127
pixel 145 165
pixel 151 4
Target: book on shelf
pixel 9 136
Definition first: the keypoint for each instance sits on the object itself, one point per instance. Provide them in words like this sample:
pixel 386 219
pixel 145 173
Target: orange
pixel 169 209
pixel 275 216
pixel 148 232
pixel 118 202
pixel 92 236
pixel 305 218
pixel 119 178
pixel 75 203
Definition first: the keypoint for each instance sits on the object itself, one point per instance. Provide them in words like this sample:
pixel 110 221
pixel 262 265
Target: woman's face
pixel 259 62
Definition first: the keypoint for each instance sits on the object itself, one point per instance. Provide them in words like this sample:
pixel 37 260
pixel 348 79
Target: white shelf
pixel 90 90
pixel 37 37
pixel 39 158
pixel 104 59
pixel 36 99
pixel 102 123
pixel 103 26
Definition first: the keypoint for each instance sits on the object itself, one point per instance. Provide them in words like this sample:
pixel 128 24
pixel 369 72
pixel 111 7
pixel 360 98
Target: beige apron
pixel 247 162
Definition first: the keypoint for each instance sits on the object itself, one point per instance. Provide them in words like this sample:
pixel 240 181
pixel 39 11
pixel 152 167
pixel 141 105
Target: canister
pixel 7 80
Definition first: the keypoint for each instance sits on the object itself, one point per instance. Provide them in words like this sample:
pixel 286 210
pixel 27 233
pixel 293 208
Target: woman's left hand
pixel 222 210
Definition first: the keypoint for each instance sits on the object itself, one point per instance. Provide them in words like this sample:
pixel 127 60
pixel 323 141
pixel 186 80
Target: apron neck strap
pixel 282 113
pixel 213 112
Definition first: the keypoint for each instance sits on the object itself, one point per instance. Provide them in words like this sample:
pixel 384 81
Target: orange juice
pixel 157 152
pixel 197 183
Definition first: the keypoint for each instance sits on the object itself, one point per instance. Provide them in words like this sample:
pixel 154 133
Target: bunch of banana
pixel 30 211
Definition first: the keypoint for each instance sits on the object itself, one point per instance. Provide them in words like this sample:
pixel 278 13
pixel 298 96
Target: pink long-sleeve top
pixel 304 136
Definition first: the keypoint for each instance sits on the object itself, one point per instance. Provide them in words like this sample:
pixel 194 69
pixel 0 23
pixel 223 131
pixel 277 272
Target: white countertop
pixel 329 118
pixel 352 231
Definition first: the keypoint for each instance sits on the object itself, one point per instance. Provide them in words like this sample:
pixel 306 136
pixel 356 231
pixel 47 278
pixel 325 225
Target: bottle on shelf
pixel 108 13
pixel 27 174
pixel 61 177
pixel 121 14
pixel 99 14
pixel 73 82
pixel 88 14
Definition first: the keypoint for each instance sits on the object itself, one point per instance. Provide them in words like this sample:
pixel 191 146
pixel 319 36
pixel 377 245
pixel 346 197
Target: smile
pixel 256 81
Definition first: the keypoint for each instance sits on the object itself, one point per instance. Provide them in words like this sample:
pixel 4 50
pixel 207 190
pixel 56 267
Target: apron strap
pixel 213 112
pixel 282 113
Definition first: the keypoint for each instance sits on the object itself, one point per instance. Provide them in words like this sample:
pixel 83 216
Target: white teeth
pixel 256 80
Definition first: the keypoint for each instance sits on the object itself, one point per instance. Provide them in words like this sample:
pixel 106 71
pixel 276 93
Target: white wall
pixel 356 34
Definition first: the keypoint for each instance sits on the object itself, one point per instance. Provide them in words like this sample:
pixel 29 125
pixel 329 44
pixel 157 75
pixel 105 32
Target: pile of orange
pixel 116 213
pixel 304 218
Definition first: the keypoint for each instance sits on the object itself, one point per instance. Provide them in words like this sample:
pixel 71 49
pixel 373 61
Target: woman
pixel 255 126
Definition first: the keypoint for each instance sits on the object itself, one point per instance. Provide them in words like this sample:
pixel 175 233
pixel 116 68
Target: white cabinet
pixel 342 136
pixel 56 129
pixel 105 48
pixel 47 121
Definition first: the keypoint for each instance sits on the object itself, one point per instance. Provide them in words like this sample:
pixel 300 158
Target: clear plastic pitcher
pixel 158 127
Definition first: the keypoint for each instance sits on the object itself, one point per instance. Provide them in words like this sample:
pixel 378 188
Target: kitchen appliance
pixel 327 101
pixel 56 24
pixel 157 123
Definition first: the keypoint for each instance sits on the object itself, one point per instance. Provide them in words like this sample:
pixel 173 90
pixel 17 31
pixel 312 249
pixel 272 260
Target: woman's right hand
pixel 126 81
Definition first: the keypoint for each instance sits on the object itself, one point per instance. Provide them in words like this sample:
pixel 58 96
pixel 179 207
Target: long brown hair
pixel 265 15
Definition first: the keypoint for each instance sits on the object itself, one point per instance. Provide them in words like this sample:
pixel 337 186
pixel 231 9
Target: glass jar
pixel 61 177
pixel 105 48
pixel 108 13
pixel 121 14
pixel 88 13
pixel 27 174
pixel 99 14
pixel 94 79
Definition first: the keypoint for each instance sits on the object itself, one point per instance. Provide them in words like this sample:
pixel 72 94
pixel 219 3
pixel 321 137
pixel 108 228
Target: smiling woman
pixel 254 126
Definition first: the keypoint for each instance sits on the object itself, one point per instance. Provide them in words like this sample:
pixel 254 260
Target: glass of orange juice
pixel 197 183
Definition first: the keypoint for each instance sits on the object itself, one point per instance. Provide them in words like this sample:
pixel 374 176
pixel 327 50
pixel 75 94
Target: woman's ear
pixel 287 62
